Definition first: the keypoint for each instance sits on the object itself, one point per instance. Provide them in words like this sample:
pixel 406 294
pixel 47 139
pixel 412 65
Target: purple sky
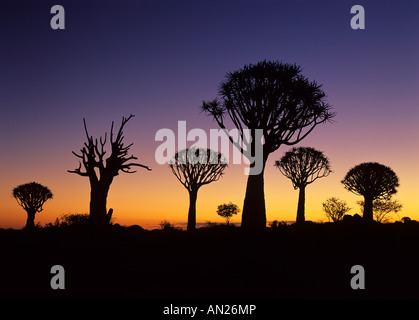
pixel 160 59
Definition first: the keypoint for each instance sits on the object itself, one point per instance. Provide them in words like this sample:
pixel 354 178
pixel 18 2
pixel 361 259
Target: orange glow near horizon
pixel 147 198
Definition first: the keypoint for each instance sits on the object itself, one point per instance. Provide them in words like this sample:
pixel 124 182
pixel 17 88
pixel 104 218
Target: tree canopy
pixel 373 181
pixel 31 197
pixel 303 166
pixel 227 210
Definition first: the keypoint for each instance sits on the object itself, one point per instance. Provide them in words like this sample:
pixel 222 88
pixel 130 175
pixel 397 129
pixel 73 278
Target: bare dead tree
pixel 303 166
pixel 194 168
pixel 92 157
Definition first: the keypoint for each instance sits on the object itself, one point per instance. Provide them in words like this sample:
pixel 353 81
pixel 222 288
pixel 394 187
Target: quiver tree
pixel 31 197
pixel 303 166
pixel 278 100
pixel 92 157
pixel 194 168
pixel 373 181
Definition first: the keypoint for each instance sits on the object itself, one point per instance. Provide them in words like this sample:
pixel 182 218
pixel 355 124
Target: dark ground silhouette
pixel 310 261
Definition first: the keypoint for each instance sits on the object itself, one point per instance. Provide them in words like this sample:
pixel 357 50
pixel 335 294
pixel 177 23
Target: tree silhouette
pixel 194 168
pixel 227 210
pixel 383 209
pixel 276 98
pixel 303 166
pixel 372 181
pixel 92 157
pixel 335 209
pixel 31 197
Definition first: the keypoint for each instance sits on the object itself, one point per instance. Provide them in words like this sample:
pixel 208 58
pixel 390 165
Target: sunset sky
pixel 159 59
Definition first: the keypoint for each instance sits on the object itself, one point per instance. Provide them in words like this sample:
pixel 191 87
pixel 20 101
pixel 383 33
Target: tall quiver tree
pixel 303 166
pixel 195 167
pixel 92 157
pixel 373 181
pixel 31 197
pixel 277 99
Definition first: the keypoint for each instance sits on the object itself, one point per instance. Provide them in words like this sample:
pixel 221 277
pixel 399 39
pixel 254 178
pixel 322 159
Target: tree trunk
pixel 30 220
pixel 98 196
pixel 368 215
pixel 192 210
pixel 301 205
pixel 254 212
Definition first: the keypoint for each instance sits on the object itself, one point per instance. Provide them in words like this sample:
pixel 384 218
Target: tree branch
pixel 93 152
pixel 78 171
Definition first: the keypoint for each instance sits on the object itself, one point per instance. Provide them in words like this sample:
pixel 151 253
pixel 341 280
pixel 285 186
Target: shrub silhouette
pixel 92 157
pixel 335 209
pixel 373 181
pixel 276 98
pixel 69 219
pixel 194 168
pixel 303 166
pixel 227 210
pixel 31 197
pixel 276 225
pixel 166 225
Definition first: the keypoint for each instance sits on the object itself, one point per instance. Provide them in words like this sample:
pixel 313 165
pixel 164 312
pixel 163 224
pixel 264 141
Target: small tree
pixel 31 197
pixel 383 209
pixel 335 209
pixel 372 181
pixel 303 166
pixel 194 168
pixel 92 157
pixel 227 210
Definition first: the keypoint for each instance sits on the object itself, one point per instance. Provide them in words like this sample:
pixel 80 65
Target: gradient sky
pixel 160 59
